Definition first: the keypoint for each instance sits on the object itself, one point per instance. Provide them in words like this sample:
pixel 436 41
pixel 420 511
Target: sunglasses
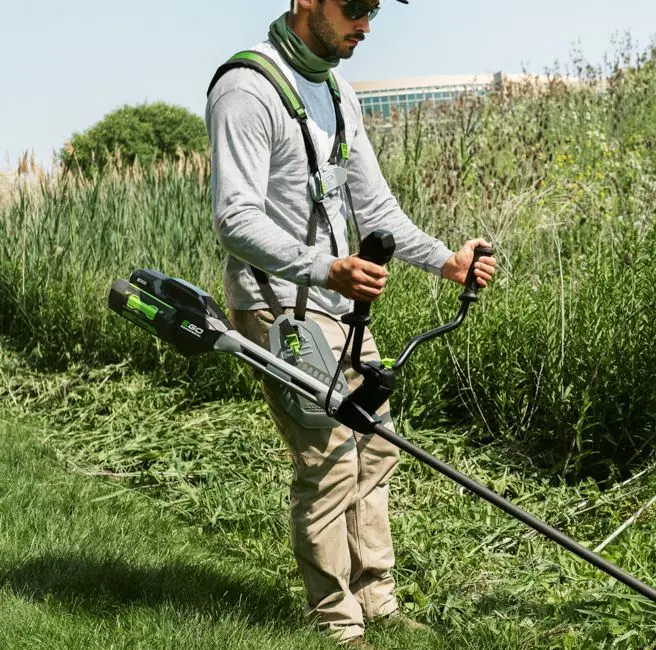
pixel 355 9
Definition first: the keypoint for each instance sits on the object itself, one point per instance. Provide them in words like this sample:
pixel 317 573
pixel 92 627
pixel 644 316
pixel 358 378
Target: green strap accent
pixel 294 344
pixel 149 311
pixel 387 363
pixel 283 85
pixel 345 151
pixel 334 88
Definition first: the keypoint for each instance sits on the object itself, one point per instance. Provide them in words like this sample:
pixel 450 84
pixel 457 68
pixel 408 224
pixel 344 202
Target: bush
pixel 146 133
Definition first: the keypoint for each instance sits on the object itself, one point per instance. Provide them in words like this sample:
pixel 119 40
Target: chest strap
pixel 294 105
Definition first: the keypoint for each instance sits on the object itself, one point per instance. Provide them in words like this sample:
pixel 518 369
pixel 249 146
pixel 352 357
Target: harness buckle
pixel 326 182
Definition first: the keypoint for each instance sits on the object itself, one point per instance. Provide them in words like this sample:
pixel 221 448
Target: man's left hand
pixel 456 267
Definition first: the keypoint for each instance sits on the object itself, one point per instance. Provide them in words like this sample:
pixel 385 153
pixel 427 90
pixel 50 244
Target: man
pixel 262 200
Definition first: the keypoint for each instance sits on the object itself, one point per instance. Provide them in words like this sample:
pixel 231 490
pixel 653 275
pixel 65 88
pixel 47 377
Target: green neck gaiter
pixel 298 54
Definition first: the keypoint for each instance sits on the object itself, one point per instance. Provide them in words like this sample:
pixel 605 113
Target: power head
pixel 170 308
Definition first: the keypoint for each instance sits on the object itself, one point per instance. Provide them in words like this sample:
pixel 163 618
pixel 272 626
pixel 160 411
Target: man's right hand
pixel 357 279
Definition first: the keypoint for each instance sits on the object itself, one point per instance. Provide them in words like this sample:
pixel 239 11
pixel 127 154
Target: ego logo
pixel 192 329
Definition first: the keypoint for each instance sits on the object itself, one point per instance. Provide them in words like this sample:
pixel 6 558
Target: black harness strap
pixel 340 146
pixel 318 211
pixel 294 106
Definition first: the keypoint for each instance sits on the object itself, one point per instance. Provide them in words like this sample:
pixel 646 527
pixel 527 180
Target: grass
pixel 144 499
pixel 194 493
pixel 90 564
pixel 7 191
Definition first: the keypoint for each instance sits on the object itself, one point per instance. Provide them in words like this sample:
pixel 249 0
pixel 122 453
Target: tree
pixel 147 133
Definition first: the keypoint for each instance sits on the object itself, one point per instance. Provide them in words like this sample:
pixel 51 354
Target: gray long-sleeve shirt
pixel 261 198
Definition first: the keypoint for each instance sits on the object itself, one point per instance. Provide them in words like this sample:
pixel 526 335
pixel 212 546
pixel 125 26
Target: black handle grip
pixel 377 247
pixel 471 285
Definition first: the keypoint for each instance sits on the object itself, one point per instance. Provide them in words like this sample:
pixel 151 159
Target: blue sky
pixel 66 64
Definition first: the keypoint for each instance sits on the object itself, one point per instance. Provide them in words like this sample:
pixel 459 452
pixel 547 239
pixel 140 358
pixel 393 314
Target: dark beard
pixel 335 47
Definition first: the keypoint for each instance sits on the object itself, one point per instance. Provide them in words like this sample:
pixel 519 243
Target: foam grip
pixel 377 247
pixel 471 284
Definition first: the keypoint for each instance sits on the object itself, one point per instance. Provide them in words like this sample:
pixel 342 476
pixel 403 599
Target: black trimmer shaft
pixel 541 527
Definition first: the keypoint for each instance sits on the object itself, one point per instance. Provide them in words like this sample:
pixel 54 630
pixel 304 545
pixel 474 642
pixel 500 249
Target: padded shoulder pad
pixel 269 69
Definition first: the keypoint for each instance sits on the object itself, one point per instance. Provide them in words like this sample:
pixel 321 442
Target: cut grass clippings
pixel 218 472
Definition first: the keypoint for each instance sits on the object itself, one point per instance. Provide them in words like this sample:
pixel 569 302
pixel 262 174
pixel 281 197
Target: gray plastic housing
pixel 317 360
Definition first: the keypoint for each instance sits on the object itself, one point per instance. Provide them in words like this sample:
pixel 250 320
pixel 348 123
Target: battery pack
pixel 171 309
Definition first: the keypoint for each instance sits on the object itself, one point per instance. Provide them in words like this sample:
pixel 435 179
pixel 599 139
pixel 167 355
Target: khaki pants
pixel 339 495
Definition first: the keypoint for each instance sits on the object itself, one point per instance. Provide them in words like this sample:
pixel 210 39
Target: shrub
pixel 146 133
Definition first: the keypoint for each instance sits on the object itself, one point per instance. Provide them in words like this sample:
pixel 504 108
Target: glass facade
pixel 381 103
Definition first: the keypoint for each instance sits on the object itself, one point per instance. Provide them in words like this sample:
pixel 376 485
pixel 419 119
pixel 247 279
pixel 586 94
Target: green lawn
pixel 86 564
pixel 184 543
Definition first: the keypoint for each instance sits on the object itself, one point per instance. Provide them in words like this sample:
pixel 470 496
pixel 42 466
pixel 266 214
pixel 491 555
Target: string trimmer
pixel 190 320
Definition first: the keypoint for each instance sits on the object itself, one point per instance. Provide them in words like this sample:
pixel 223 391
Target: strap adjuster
pixel 293 342
pixel 344 148
pixel 326 182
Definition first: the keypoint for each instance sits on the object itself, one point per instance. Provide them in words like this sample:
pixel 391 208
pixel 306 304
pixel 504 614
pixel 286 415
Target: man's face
pixel 335 34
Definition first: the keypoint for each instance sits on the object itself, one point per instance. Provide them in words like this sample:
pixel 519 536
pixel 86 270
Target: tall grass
pixel 560 178
pixel 62 246
pixel 558 357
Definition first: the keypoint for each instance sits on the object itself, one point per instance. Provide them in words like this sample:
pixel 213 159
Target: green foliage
pixel 551 377
pixel 111 569
pixel 146 133
pixel 477 577
pixel 557 357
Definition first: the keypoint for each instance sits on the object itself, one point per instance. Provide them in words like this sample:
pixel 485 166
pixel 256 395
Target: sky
pixel 67 63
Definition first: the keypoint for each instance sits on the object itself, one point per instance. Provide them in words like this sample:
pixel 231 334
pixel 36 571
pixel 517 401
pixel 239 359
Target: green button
pixel 149 311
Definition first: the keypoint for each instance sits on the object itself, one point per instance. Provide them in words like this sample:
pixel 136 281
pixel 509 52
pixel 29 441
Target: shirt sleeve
pixel 241 130
pixel 376 207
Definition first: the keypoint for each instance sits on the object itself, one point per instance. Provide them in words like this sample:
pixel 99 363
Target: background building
pixel 379 97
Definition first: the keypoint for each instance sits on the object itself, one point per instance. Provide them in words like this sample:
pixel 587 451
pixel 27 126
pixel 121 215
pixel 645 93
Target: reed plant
pixel 558 357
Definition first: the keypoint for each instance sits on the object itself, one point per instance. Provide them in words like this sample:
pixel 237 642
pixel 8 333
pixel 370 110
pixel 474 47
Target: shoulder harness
pixel 321 184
